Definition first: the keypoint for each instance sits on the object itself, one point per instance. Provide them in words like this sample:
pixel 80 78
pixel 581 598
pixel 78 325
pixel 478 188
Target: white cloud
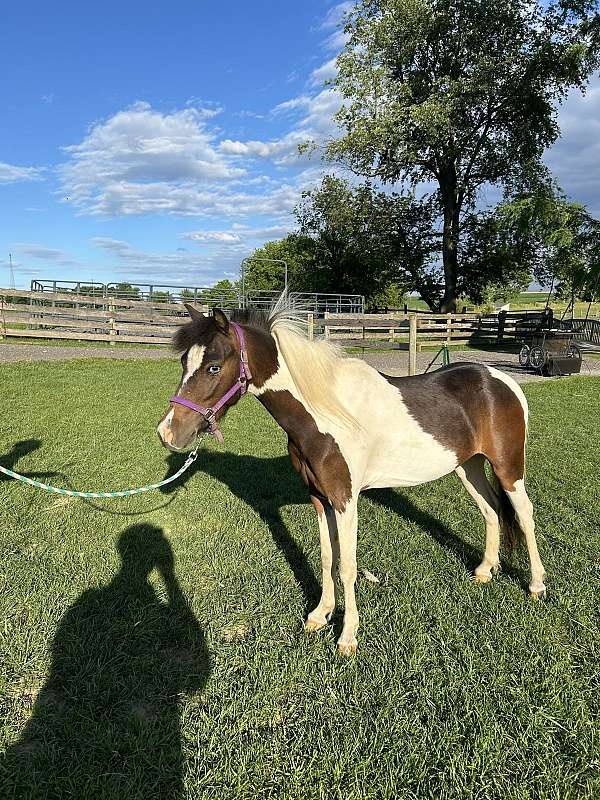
pixel 325 72
pixel 127 199
pixel 239 233
pixel 212 236
pixel 170 268
pixel 142 147
pixel 316 123
pixel 9 173
pixel 142 161
pixel 334 20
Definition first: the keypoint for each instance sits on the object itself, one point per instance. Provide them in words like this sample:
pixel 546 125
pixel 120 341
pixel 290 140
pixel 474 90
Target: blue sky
pixel 158 142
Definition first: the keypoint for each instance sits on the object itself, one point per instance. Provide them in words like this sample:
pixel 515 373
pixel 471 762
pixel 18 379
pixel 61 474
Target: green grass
pixel 180 669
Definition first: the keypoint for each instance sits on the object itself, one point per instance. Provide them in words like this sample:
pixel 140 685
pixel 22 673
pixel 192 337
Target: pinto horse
pixel 351 428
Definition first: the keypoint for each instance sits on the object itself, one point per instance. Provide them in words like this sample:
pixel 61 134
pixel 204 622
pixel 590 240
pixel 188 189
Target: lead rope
pixel 123 493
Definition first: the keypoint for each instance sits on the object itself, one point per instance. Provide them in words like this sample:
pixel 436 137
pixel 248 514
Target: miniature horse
pixel 350 428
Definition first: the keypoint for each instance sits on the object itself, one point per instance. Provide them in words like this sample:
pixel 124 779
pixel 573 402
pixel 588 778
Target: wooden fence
pixel 82 317
pixel 413 332
pixel 108 319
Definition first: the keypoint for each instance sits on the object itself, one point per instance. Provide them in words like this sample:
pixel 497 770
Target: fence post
pixel 412 344
pixel 501 324
pixel 111 323
pixel 448 329
pixel 311 326
pixel 326 326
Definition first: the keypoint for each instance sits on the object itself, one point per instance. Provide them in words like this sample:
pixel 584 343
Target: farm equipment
pixel 551 352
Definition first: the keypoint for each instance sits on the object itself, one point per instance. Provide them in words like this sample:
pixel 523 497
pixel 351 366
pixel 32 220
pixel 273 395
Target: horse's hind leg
pixel 524 512
pixel 474 479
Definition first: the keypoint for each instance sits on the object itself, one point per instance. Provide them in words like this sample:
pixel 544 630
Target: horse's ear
pixel 221 320
pixel 193 312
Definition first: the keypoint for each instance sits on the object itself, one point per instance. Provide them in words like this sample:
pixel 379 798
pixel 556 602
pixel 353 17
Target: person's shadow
pixel 18 451
pixel 106 723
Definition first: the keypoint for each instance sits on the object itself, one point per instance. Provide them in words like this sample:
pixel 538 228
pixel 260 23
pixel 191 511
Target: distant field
pixel 525 300
pixel 153 647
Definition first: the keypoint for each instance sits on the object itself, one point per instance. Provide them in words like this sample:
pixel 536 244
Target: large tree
pixel 457 94
pixel 354 240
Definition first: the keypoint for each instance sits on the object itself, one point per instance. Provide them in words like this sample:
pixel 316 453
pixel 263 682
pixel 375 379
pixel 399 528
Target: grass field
pixel 523 301
pixel 153 647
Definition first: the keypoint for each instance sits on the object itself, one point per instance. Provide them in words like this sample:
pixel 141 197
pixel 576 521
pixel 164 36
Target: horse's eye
pixel 214 369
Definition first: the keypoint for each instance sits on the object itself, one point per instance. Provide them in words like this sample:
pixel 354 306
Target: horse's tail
pixel 510 530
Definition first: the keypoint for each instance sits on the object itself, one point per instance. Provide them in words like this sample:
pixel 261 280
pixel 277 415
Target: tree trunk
pixel 449 193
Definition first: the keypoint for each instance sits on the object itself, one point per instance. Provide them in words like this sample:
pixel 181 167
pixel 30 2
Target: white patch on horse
pixel 164 427
pixel 513 386
pixel 390 448
pixel 195 357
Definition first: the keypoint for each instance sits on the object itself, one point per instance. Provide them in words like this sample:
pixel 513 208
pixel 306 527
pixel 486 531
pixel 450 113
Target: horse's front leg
pixel 347 526
pixel 320 616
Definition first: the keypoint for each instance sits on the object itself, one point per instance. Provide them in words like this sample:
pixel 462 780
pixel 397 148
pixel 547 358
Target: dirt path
pixel 393 362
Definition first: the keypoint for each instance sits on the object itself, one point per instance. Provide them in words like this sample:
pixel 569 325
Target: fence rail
pixel 315 302
pixel 83 317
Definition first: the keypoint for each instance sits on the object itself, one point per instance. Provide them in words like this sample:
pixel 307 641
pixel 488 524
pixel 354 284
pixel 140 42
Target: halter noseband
pixel 241 384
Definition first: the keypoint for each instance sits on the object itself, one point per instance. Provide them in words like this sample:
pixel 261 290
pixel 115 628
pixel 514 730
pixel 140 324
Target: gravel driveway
pixel 394 362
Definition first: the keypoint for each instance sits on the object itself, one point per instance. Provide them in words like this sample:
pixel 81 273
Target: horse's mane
pixel 314 366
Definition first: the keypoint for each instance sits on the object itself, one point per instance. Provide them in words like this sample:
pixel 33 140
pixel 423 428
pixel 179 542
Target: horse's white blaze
pixel 195 357
pixel 390 448
pixel 513 386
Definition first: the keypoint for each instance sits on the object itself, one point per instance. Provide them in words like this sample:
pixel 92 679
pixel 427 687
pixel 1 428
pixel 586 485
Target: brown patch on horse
pixel 504 436
pixel 467 410
pixel 315 456
pixel 262 355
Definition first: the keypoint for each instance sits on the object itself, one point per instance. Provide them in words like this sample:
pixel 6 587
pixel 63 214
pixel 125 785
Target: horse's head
pixel 210 361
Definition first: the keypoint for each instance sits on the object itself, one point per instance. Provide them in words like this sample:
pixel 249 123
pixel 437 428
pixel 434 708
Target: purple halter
pixel 241 384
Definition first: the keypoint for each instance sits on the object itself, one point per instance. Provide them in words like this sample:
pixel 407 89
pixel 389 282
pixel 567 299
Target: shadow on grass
pixel 443 535
pixel 19 451
pixel 106 723
pixel 266 485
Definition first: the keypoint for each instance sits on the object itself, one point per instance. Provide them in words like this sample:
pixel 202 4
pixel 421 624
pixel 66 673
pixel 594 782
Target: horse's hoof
pixel 482 578
pixel 347 649
pixel 313 625
pixel 542 594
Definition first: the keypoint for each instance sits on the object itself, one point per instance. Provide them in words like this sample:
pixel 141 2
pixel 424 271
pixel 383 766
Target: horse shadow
pixel 470 556
pixel 106 722
pixel 268 484
pixel 20 450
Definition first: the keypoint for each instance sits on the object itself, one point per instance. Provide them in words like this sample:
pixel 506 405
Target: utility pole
pixel 12 273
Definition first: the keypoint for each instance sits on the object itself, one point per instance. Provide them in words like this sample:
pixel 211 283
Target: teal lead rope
pixel 123 493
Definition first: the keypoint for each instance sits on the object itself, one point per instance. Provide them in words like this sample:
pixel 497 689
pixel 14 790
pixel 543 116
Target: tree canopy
pixel 452 95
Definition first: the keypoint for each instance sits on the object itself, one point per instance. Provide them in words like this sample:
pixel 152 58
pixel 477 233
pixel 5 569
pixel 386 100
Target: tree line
pixel 443 102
